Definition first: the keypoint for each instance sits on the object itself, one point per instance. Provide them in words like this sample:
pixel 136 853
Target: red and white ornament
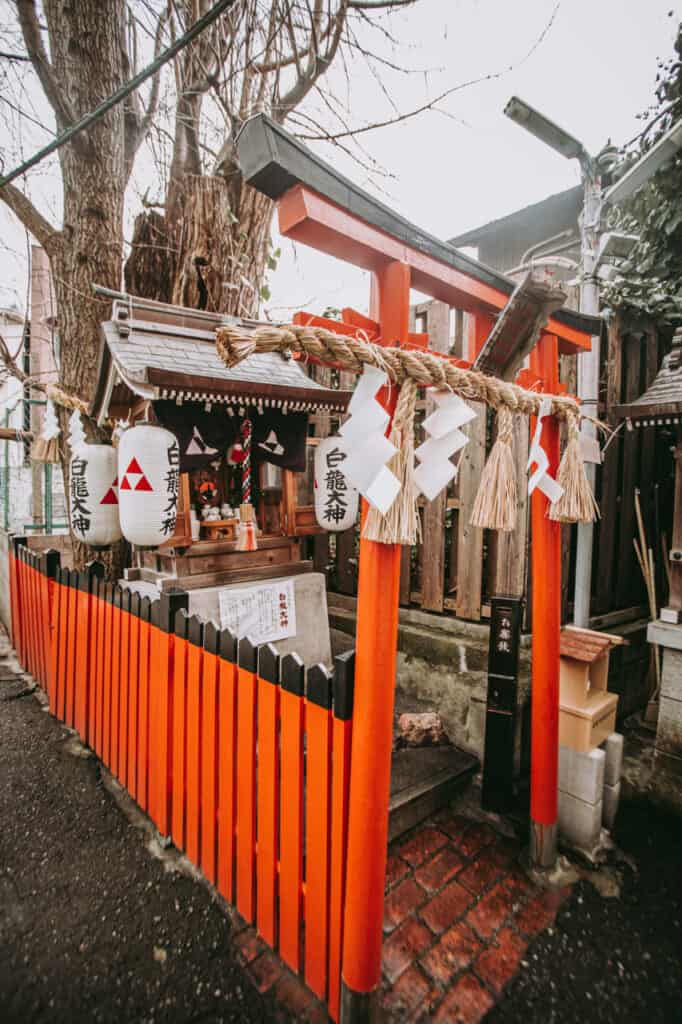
pixel 149 478
pixel 93 495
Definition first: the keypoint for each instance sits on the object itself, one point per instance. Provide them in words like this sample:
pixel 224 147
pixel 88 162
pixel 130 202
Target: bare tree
pixel 206 243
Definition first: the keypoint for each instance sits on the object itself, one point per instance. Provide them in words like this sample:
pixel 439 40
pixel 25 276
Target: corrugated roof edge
pixel 273 161
pixel 510 219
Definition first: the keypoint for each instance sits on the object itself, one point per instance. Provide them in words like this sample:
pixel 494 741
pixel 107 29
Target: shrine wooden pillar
pixel 546 626
pixel 375 668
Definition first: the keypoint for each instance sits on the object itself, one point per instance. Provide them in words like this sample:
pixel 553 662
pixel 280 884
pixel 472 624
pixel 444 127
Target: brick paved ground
pixel 459 915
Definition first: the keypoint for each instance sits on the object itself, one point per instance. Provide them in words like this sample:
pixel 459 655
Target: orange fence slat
pixel 133 692
pixel 179 732
pixel 143 707
pixel 267 793
pixel 246 778
pixel 64 578
pixel 209 752
pixel 97 656
pixel 72 611
pixel 318 815
pixel 54 646
pixel 117 617
pixel 107 673
pixel 162 651
pixel 123 688
pixel 227 757
pixel 82 673
pixel 193 738
pixel 291 800
pixel 344 668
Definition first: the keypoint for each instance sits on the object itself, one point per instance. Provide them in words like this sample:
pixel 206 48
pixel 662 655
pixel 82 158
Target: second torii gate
pixel 320 208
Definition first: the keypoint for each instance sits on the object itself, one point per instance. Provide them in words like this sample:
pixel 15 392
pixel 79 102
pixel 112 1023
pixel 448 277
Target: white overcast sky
pixel 593 71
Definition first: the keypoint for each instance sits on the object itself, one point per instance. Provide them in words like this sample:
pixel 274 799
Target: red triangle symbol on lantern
pixel 109 498
pixel 125 486
pixel 143 485
pixel 134 466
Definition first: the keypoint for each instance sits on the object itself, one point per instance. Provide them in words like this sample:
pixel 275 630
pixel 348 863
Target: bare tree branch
pixel 14 56
pixel 30 27
pixel 377 5
pixel 32 219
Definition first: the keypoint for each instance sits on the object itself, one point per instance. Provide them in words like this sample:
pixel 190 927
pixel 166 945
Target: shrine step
pixel 424 780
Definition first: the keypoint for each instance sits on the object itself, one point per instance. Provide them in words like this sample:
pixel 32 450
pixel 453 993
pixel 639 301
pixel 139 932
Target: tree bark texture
pixel 209 249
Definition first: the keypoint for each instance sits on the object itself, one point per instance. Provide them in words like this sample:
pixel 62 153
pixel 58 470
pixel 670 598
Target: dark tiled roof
pixel 664 398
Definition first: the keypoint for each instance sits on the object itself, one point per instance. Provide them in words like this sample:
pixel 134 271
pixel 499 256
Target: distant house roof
pixel 153 350
pixel 559 209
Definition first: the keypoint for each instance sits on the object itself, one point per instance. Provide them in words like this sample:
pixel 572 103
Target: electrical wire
pixel 120 94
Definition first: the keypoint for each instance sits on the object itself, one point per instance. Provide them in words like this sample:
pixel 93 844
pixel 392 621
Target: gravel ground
pixel 612 959
pixel 92 927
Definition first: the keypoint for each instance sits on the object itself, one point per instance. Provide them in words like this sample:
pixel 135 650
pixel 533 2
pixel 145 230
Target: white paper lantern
pixel 148 477
pixel 93 495
pixel 336 500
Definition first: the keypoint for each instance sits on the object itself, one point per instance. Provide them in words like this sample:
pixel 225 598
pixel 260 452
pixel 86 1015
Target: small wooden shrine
pixel 241 427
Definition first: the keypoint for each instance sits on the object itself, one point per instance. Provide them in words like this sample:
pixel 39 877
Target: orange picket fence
pixel 240 756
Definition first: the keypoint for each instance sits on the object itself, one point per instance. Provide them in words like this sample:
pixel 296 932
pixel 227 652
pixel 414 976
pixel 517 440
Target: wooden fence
pixel 241 757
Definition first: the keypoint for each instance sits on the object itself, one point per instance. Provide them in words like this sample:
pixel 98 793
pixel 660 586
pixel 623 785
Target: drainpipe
pixel 588 385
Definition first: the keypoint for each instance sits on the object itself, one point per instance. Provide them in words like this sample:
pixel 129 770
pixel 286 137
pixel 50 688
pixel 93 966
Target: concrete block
pixel 671 676
pixel 613 748
pixel 579 822
pixel 669 731
pixel 610 802
pixel 582 775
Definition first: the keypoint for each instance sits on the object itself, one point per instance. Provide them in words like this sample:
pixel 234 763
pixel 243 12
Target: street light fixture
pixel 548 132
pixel 588 365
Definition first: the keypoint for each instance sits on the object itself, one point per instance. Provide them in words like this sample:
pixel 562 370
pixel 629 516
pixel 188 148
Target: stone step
pixel 424 780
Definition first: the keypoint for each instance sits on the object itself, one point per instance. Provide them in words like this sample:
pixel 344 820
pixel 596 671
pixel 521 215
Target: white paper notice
pixel 264 613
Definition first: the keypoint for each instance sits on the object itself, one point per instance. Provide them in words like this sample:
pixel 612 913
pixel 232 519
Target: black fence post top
pixel 211 637
pixel 171 601
pixel 293 674
pixel 268 663
pixel 247 654
pixel 344 685
pixel 319 686
pixel 228 646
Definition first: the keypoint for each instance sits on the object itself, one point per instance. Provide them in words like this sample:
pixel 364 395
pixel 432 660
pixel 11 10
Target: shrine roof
pixel 154 350
pixel 585 644
pixel 274 162
pixel 662 401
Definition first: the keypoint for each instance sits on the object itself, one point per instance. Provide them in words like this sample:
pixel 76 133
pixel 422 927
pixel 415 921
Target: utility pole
pixel 588 376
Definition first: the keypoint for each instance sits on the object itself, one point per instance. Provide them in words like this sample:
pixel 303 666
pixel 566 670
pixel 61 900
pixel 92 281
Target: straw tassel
pixel 401 524
pixel 45 450
pixel 577 504
pixel 496 500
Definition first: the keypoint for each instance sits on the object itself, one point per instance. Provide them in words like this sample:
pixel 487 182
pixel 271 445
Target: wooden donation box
pixel 587 711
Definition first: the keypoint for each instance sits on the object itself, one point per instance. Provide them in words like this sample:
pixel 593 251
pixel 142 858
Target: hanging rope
pixel 235 343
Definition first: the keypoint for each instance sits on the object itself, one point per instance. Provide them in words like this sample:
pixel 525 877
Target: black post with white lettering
pixel 501 710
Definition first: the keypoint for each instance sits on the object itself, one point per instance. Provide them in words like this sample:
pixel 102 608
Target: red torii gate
pixel 318 207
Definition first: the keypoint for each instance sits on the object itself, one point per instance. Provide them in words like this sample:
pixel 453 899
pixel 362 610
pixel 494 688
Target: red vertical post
pixel 375 665
pixel 546 612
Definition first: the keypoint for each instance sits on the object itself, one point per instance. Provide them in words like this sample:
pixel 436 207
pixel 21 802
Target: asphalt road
pixel 92 927
pixel 615 959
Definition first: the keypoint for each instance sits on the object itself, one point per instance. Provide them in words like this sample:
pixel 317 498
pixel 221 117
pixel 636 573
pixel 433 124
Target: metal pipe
pixel 588 388
pixel 547 241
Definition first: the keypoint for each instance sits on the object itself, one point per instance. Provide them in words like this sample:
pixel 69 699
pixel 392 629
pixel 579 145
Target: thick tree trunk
pixel 209 250
pixel 89 60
